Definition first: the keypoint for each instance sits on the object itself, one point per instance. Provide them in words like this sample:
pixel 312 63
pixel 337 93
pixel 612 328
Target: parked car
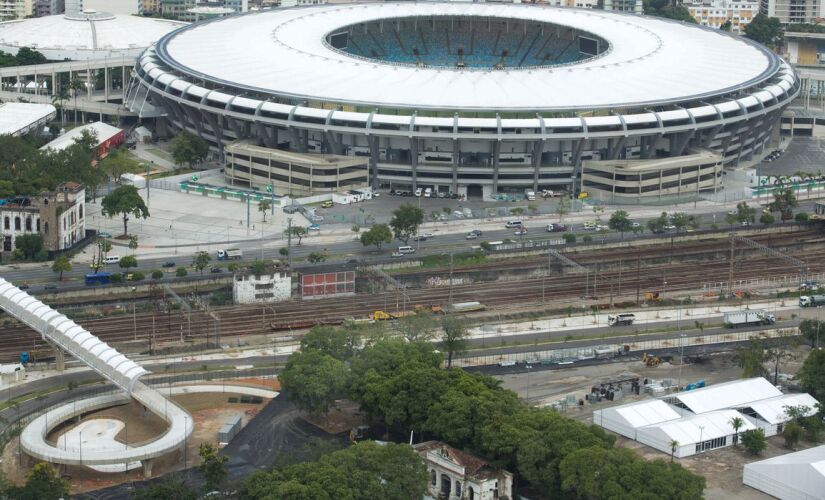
pixel 458 214
pixel 168 263
pixel 216 270
pixel 327 204
pixel 476 232
pixel 471 236
pixel 418 192
pixel 291 209
pixel 313 227
pixel 104 234
pixel 316 218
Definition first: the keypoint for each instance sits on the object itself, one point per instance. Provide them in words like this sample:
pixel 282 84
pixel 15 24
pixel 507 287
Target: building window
pixel 28 223
pixel 458 489
pixel 80 212
pixel 38 225
pixel 46 227
pixel 6 223
pixel 433 477
pixel 17 223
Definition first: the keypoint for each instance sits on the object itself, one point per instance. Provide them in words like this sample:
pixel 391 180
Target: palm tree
pixel 674 445
pixel 736 423
pixel 59 98
pixel 76 85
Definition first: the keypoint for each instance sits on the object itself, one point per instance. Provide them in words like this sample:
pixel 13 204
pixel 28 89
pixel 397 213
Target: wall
pixel 251 289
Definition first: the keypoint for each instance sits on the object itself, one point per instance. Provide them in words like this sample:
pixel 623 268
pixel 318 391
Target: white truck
pixel 621 319
pixel 811 300
pixel 530 195
pixel 734 319
pixel 230 254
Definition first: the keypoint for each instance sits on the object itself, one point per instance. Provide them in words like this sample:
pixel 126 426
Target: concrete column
pixel 147 467
pixel 106 83
pixel 89 86
pixel 36 85
pixel 59 356
pixel 123 81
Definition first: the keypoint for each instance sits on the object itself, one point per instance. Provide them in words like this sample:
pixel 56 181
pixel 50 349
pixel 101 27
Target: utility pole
pixel 730 271
pixel 638 284
pixel 147 184
pixel 248 202
pixel 451 279
pixel 289 243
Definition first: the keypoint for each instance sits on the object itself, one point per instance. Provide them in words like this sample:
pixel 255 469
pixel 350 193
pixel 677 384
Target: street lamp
pixel 682 337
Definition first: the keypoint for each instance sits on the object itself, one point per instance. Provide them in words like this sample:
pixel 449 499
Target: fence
pixel 791 280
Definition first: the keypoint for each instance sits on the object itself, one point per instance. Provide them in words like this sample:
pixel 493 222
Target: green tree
pixel 620 221
pixel 181 272
pixel 737 423
pixel 187 148
pixel 29 244
pixel 765 30
pixel 340 343
pixel 27 56
pixel 682 221
pixel 812 375
pixel 405 221
pixel 562 208
pixel 298 232
pixel 569 237
pixel 127 262
pixel 766 219
pixel 263 206
pixel 453 340
pixel 124 201
pixel 667 9
pixel 313 380
pixel 283 251
pixel 316 257
pixel 61 264
pixel 674 445
pixel 657 225
pixel 726 26
pixel 731 219
pixel 133 243
pixel 76 86
pixel 157 274
pixel 59 98
pixel 201 261
pixel 103 248
pixel 792 433
pixel 811 330
pixel 417 327
pixel 166 490
pixel 212 466
pixel 745 213
pixel 117 163
pixel 42 483
pixel 780 351
pixel 751 358
pixel 801 217
pixel 784 201
pixel 754 441
pixel 377 235
pixel 259 267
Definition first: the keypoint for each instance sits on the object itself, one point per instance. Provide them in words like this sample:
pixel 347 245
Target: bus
pixel 98 278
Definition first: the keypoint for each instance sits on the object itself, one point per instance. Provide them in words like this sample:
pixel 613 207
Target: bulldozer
pixel 652 297
pixel 651 361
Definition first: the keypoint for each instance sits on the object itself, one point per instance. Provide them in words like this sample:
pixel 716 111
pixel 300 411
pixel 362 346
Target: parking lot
pixel 805 154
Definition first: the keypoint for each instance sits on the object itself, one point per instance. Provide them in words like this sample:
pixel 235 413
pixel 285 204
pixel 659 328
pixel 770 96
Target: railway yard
pixel 506 286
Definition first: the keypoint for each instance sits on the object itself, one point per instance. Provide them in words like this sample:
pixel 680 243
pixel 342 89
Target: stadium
pixel 468 98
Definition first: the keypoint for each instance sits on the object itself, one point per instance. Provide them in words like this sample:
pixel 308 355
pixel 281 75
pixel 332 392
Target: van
pixel 428 193
pixel 530 195
pixel 112 259
pixel 512 223
pixel 467 213
pixel 406 249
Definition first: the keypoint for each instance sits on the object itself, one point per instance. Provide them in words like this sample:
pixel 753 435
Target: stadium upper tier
pixel 467 42
pixel 287 53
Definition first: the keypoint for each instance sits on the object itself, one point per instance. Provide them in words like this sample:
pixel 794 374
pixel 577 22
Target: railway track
pixel 162 327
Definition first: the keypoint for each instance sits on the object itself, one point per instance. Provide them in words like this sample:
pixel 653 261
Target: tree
pixel 124 201
pixel 117 163
pixel 751 358
pixel 569 237
pixel 126 262
pixel 42 483
pixel 766 219
pixel 29 244
pixel 181 272
pixel 417 327
pixel 682 221
pixel 620 221
pixel 598 211
pixel 341 343
pixel 765 30
pixel 201 261
pixel 669 10
pixel 745 213
pixel 779 352
pixel 674 445
pixel 405 221
pixel 784 201
pixel 453 339
pixel 754 441
pixel 812 375
pixel 562 208
pixel 166 490
pixel 76 86
pixel 726 26
pixel 213 466
pixel 377 235
pixel 103 248
pixel 27 56
pixel 316 257
pixel 801 217
pixel 791 433
pixel 355 230
pixel 263 206
pixel 61 264
pixel 188 148
pixel 811 329
pixel 313 380
pixel 731 219
pixel 283 251
pixel 299 232
pixel 737 423
pixel 157 274
pixel 133 243
pixel 59 98
pixel 657 225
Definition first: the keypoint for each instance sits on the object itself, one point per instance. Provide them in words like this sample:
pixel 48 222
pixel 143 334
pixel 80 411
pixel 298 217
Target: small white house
pixel 11 372
pixel 248 288
pixel 457 475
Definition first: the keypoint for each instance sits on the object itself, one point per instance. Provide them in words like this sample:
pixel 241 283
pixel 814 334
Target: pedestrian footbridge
pixel 70 337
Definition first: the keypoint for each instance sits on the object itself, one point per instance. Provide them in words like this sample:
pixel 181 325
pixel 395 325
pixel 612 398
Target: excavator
pixel 651 361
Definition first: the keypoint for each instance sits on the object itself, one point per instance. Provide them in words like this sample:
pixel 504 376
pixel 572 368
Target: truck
pixel 530 195
pixel 230 254
pixel 463 307
pixel 621 319
pixel 811 300
pixel 734 319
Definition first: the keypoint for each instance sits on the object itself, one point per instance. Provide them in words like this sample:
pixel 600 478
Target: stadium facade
pixel 472 98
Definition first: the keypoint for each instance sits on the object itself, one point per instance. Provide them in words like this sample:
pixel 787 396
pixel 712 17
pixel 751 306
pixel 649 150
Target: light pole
pixel 681 357
pixel 701 445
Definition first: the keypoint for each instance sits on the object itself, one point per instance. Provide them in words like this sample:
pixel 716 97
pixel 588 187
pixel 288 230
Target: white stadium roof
pixel 650 60
pixel 18 118
pixel 735 394
pixel 86 36
pixel 795 476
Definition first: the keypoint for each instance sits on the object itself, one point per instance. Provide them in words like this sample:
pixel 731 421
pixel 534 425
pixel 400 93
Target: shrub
pixel 801 217
pixel 181 272
pixel 138 276
pixel 116 278
pixel 485 245
pixel 587 238
pixel 157 274
pixel 569 238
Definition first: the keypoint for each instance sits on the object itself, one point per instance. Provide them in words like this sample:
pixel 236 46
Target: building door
pixel 474 191
pixel 446 486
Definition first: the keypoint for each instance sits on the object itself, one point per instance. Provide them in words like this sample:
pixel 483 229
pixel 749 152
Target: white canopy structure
pixel 18 118
pixel 694 434
pixel 734 394
pixel 628 419
pixel 795 476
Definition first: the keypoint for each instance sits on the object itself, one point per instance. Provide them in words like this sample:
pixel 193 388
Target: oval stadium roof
pixel 650 60
pixel 84 36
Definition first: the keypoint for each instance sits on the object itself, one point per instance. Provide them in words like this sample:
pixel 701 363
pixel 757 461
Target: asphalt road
pixel 348 253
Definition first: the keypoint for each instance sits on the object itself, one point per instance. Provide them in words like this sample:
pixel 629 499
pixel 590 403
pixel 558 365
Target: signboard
pixel 327 284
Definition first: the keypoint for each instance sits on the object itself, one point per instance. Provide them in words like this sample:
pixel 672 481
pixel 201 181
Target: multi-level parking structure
pixel 476 98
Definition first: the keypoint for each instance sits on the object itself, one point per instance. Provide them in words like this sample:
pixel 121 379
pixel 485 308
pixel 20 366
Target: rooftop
pixel 18 117
pixel 650 60
pixel 734 394
pixel 102 131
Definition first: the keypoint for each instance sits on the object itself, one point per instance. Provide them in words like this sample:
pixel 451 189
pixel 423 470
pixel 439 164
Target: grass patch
pixel 459 259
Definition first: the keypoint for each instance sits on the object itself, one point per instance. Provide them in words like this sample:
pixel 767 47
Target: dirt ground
pixel 210 412
pixel 722 468
pixel 343 416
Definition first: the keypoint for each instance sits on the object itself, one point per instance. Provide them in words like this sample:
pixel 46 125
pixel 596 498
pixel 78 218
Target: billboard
pixel 327 284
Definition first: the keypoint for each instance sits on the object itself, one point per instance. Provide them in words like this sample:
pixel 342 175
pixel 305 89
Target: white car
pixel 417 192
pixel 427 235
pixel 521 232
pixel 669 227
pixel 636 224
pixel 601 227
pixel 397 254
pixel 471 236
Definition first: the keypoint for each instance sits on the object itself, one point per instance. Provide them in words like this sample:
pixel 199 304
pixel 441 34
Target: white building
pixel 19 118
pixel 795 476
pixel 16 9
pixel 793 11
pixel 48 7
pixel 715 13
pixel 455 474
pixel 632 6
pixel 271 287
pixel 123 7
pixel 700 420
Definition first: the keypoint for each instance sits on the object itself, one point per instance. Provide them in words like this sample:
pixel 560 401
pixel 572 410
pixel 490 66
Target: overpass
pixel 124 373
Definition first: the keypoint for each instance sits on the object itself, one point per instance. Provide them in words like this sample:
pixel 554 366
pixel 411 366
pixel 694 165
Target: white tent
pixel 627 419
pixel 771 413
pixel 795 476
pixel 735 394
pixel 694 434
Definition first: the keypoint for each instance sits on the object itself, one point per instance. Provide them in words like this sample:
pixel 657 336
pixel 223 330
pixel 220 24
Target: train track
pixel 161 327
